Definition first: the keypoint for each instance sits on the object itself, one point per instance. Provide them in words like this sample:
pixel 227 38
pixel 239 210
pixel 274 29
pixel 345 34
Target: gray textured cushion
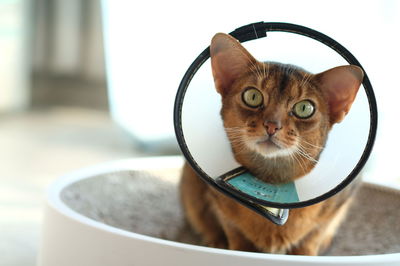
pixel 148 203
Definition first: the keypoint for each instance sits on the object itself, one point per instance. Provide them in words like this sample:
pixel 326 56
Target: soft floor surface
pixel 148 203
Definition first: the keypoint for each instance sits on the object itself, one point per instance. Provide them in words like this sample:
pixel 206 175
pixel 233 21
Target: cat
pixel 277 118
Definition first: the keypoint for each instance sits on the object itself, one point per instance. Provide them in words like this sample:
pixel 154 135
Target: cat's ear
pixel 340 86
pixel 229 60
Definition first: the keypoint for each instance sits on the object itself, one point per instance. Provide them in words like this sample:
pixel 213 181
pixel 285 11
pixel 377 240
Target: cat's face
pixel 278 112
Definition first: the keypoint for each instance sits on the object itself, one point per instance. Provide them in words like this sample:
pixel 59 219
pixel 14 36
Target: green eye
pixel 304 109
pixel 252 97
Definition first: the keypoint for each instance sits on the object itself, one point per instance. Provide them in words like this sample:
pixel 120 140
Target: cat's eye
pixel 252 97
pixel 304 109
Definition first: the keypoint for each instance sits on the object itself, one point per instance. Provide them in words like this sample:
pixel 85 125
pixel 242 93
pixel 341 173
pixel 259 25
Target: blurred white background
pixel 163 38
pixel 55 102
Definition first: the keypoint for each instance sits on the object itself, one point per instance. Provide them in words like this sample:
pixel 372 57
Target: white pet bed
pixel 128 213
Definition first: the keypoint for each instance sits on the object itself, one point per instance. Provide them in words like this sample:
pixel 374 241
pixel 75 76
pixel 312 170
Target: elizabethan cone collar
pixel 203 141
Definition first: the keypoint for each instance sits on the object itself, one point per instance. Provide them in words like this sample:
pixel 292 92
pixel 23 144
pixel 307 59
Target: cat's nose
pixel 272 127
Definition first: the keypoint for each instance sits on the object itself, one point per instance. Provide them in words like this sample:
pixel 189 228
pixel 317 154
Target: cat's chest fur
pixel 263 235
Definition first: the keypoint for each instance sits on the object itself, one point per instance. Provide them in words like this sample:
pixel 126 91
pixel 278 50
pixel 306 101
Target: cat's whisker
pixel 304 162
pixel 263 68
pixel 299 160
pixel 310 144
pixel 266 74
pixel 253 64
pixel 304 154
pixel 256 70
pixel 305 79
pixel 303 149
pixel 266 70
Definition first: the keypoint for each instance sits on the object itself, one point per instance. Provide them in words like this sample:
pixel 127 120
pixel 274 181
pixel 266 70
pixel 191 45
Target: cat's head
pixel 277 117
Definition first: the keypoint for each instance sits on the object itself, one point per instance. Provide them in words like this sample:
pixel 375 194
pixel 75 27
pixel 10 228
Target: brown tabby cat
pixel 277 118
